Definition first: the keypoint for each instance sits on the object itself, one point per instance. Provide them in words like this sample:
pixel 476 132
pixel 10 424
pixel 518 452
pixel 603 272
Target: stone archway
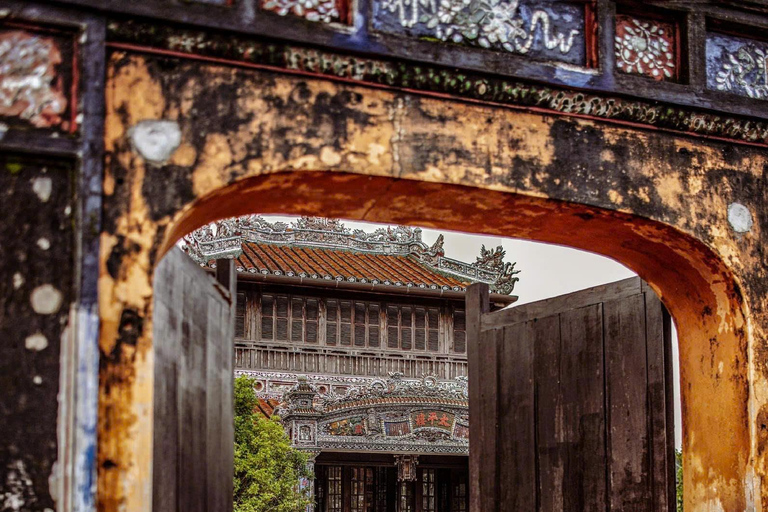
pixel 280 144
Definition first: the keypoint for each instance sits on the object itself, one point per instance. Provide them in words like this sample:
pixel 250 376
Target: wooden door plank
pixel 516 445
pixel 628 442
pixel 547 354
pixel 215 339
pixel 660 401
pixel 562 303
pixel 165 409
pixel 582 415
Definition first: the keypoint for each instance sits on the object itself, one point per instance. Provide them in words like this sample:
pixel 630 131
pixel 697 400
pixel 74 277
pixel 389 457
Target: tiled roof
pixel 267 407
pixel 342 265
pixel 318 248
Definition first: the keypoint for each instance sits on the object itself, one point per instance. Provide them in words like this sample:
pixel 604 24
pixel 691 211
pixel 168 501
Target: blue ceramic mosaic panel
pixel 539 29
pixel 737 65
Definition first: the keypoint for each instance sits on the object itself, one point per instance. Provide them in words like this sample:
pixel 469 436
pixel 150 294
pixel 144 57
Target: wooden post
pixel 478 303
pixel 225 276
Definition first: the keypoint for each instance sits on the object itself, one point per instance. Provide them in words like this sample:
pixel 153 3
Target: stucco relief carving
pixel 645 47
pixel 737 65
pixel 324 11
pixel 396 414
pixel 513 26
pixel 30 86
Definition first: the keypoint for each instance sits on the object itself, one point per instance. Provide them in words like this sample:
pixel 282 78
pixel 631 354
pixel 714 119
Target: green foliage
pixel 679 479
pixel 267 469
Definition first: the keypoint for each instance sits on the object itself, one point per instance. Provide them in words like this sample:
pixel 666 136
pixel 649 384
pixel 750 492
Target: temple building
pixel 358 341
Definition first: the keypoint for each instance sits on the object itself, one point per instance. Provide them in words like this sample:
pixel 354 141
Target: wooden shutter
pixel 193 389
pixel 571 402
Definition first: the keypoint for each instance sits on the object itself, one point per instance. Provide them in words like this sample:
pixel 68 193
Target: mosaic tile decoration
pixel 737 65
pixel 33 89
pixel 540 29
pixel 645 47
pixel 324 11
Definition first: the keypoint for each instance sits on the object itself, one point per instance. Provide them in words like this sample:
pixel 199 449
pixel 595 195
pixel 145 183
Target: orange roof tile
pixel 341 264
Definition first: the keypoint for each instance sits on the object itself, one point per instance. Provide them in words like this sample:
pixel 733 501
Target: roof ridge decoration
pixel 224 239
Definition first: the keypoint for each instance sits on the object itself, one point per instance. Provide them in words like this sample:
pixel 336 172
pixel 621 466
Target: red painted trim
pixel 74 105
pixel 431 94
pixel 591 41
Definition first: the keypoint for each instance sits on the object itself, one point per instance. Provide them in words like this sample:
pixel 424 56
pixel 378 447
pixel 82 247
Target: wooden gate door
pixel 193 407
pixel 571 402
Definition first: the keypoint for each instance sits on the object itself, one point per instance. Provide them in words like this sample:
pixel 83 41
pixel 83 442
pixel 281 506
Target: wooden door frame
pixel 700 278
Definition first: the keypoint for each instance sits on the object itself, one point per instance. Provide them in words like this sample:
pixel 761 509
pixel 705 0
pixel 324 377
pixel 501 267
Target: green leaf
pixel 267 469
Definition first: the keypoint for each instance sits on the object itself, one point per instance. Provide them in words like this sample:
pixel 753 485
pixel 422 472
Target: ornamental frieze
pixel 418 416
pixel 479 86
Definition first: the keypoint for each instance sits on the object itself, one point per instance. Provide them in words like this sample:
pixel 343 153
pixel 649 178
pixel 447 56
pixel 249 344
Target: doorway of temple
pixel 434 483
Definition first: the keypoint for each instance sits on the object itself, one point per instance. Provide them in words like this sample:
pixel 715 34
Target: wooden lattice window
pixel 285 318
pixel 381 489
pixel 459 497
pixel 274 317
pixel 334 489
pixel 240 316
pixel 304 319
pixel 405 497
pixel 413 327
pixel 428 491
pixel 361 490
pixel 352 323
pixel 460 331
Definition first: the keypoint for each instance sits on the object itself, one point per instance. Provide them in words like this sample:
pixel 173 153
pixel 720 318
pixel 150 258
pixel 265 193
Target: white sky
pixel 546 271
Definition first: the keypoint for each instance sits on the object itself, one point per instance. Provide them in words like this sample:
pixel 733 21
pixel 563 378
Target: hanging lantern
pixel 406 467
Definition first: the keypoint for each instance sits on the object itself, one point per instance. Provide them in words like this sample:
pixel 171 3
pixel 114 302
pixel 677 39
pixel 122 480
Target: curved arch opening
pixel 693 283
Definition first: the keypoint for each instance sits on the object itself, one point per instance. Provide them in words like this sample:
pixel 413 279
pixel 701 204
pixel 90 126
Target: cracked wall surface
pixel 257 141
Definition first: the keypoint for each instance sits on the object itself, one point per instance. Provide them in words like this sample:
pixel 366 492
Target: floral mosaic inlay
pixel 325 11
pixel 31 88
pixel 550 30
pixel 737 65
pixel 645 47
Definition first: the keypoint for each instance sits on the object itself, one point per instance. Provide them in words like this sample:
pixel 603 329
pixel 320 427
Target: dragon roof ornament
pixel 224 239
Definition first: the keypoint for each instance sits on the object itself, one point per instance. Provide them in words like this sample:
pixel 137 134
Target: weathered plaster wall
pixel 477 168
pixel 36 282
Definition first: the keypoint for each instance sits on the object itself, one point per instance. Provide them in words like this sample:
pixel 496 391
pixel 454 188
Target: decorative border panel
pixel 544 30
pixel 38 78
pixel 646 47
pixel 323 11
pixel 737 65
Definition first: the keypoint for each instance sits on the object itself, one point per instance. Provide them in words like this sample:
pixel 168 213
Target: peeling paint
pixel 42 186
pixel 46 299
pixel 156 140
pixel 36 342
pixel 740 218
